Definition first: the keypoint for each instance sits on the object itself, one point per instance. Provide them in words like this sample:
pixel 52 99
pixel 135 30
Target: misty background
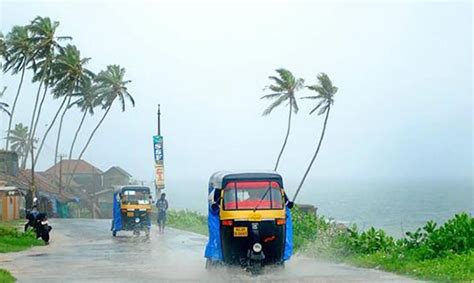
pixel 398 148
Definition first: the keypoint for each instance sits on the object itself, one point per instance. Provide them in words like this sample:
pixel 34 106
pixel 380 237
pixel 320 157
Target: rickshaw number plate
pixel 129 214
pixel 240 232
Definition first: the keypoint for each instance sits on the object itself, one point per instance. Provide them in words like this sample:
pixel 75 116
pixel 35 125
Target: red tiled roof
pixel 83 167
pixel 42 184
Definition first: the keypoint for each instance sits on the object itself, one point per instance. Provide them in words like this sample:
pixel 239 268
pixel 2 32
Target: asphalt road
pixel 84 250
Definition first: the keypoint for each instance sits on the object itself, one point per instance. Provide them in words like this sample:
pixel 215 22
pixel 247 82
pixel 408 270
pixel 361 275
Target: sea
pixel 394 206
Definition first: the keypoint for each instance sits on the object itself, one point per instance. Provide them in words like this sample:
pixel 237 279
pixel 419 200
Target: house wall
pixel 10 207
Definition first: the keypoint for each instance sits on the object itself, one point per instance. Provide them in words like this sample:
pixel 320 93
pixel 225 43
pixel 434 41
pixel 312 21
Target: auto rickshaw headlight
pixel 137 220
pixel 257 247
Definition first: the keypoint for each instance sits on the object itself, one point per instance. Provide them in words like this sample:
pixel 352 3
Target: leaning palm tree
pixel 111 87
pixel 18 55
pixel 87 101
pixel 3 105
pixel 284 89
pixel 43 36
pixel 19 142
pixel 68 73
pixel 325 95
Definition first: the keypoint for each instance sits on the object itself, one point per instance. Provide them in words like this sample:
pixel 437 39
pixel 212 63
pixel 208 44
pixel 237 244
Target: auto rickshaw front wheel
pixel 255 268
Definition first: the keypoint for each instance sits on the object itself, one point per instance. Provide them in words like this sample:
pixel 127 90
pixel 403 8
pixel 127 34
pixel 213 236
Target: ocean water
pixel 395 206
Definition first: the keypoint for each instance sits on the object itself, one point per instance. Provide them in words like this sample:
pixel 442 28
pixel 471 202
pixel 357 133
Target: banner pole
pixel 159 122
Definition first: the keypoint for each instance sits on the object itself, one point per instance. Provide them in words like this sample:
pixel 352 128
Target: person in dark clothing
pixel 162 205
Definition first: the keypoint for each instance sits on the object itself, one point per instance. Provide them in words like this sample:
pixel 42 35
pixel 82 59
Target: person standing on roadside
pixel 162 205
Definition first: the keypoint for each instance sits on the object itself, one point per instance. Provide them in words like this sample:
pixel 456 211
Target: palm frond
pixel 275 104
pixel 271 96
pixel 323 109
pixel 317 106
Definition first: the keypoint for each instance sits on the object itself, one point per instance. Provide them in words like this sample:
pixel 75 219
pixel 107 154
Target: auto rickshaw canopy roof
pixel 219 179
pixel 120 189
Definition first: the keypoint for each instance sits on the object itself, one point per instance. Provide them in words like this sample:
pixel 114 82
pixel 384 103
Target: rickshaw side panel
pixel 116 214
pixel 213 247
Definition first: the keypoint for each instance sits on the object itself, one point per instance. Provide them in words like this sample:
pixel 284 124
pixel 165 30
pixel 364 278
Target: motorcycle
pixel 39 222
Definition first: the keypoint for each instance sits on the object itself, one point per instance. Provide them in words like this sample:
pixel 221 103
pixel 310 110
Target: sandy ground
pixel 84 250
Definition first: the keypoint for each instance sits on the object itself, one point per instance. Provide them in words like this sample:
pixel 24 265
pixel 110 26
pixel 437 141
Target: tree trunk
pixel 39 110
pixel 30 133
pixel 49 129
pixel 87 144
pixel 287 135
pixel 77 133
pixel 33 130
pixel 14 105
pixel 24 157
pixel 59 130
pixel 315 154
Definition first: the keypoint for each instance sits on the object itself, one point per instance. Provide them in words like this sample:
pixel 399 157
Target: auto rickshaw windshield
pixel 244 195
pixel 136 197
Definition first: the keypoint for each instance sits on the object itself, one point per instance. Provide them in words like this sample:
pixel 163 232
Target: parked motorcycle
pixel 39 222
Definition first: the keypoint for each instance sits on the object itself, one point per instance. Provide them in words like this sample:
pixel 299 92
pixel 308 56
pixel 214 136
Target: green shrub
pixel 370 241
pixel 456 236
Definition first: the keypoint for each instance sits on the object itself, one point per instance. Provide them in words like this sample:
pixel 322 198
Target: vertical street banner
pixel 159 166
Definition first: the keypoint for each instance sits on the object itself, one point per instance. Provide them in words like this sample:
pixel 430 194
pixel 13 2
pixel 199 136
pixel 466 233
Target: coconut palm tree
pixel 284 89
pixel 4 106
pixel 87 101
pixel 325 91
pixel 18 54
pixel 111 86
pixel 43 36
pixel 19 142
pixel 67 74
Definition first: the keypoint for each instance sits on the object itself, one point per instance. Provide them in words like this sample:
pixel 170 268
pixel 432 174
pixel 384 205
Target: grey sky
pixel 404 72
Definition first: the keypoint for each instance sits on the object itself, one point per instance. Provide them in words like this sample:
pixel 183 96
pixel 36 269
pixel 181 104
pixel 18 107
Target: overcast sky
pixel 404 109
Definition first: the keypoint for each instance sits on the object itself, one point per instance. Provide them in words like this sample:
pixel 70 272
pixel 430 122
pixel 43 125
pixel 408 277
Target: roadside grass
pixel 437 253
pixel 187 220
pixel 454 267
pixel 11 240
pixel 6 277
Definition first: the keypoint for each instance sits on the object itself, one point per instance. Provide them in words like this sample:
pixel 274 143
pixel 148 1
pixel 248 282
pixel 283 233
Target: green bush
pixel 370 241
pixel 456 236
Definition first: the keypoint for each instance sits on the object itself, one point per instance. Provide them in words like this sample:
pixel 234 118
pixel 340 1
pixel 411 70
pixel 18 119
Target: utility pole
pixel 33 186
pixel 61 173
pixel 159 120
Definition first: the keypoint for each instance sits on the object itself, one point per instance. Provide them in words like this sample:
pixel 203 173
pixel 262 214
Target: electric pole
pixel 159 122
pixel 61 173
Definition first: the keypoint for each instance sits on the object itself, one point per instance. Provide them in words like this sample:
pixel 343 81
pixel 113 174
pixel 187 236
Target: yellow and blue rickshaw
pixel 249 220
pixel 132 210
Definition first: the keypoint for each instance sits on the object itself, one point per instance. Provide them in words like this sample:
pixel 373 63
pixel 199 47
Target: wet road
pixel 84 250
